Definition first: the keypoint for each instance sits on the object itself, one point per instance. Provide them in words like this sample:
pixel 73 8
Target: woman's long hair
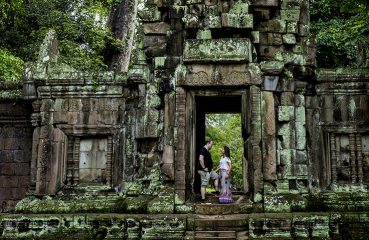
pixel 227 152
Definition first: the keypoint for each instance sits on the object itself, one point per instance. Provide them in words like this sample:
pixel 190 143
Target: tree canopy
pixel 339 25
pixel 81 26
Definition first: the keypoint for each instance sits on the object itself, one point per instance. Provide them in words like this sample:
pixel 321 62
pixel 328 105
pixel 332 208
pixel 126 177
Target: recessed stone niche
pixel 93 160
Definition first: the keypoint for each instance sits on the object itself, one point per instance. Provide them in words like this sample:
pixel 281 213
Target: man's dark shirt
pixel 208 162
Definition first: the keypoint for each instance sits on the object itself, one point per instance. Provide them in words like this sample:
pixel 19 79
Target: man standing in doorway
pixel 206 168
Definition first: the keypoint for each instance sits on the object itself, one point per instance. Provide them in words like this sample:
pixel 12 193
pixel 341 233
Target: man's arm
pixel 202 164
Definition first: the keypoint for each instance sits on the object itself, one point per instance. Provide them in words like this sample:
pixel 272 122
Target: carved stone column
pixel 332 140
pixel 77 142
pixel 359 159
pixel 269 141
pixel 180 171
pixel 35 120
pixel 255 141
pixel 109 160
pixel 353 158
pixel 70 160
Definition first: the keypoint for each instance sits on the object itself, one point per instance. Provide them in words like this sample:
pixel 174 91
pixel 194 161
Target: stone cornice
pixel 342 75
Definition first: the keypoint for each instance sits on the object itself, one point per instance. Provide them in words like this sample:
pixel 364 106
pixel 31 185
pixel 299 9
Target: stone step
pixel 240 206
pixel 229 235
pixel 215 234
pixel 235 222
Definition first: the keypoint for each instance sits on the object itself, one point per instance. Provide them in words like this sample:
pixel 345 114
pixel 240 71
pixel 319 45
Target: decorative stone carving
pixel 218 50
pixel 222 75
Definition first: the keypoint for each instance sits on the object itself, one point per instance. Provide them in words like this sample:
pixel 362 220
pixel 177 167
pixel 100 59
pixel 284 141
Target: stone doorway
pixel 202 102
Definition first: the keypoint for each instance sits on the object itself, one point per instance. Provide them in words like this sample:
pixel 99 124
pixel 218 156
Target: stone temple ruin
pixel 112 156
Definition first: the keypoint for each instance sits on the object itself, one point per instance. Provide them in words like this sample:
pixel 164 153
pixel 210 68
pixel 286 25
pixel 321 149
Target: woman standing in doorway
pixel 225 167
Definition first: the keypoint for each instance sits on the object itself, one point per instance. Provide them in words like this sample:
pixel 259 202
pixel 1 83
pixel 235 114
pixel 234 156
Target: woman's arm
pixel 230 167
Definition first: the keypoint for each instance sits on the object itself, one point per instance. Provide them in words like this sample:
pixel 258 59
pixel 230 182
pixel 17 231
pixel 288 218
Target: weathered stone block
pixel 287 98
pixel 12 144
pixel 8 181
pixel 217 50
pixel 196 9
pixel 212 21
pixel 287 162
pixel 159 62
pixel 291 4
pixel 300 100
pixel 269 52
pixel 161 204
pixel 289 39
pixel 275 25
pixel 304 30
pixel 167 171
pixel 300 114
pixel 301 157
pixel 191 21
pixel 270 39
pixel 286 113
pixel 265 3
pixel 269 143
pixel 300 129
pixel 272 67
pixel 240 7
pixel 155 45
pixel 255 37
pixel 261 14
pixel 156 28
pixel 150 14
pixel 292 27
pixel 204 34
pixel 194 1
pixel 211 2
pixel 287 136
pixel 22 169
pixel 321 229
pixel 301 170
pixel 152 2
pixel 229 20
pixel 290 15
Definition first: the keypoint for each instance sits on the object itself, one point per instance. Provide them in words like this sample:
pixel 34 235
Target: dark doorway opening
pixel 211 105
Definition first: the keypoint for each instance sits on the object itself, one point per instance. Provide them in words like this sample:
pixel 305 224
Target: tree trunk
pixel 122 21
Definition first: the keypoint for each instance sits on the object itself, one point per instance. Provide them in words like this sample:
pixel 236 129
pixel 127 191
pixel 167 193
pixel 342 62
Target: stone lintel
pixel 80 91
pixel 222 75
pixel 87 130
pixel 342 75
pixel 218 50
pixel 342 88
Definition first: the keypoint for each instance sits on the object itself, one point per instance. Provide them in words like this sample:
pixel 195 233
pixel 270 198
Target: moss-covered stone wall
pixel 15 146
pixel 305 132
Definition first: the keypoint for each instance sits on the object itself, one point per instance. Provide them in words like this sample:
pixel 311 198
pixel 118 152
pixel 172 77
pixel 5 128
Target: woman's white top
pixel 224 163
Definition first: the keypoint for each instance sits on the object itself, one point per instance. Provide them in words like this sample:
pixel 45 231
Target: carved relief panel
pixel 349 158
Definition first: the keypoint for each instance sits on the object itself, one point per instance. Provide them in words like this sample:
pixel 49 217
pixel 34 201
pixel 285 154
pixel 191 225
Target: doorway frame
pixel 246 128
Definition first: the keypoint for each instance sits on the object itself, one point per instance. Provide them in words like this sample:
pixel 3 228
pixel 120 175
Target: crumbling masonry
pixel 112 156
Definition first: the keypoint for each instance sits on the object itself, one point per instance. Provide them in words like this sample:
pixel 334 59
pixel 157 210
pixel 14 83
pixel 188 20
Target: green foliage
pixel 339 26
pixel 9 13
pixel 225 130
pixel 81 27
pixel 10 66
